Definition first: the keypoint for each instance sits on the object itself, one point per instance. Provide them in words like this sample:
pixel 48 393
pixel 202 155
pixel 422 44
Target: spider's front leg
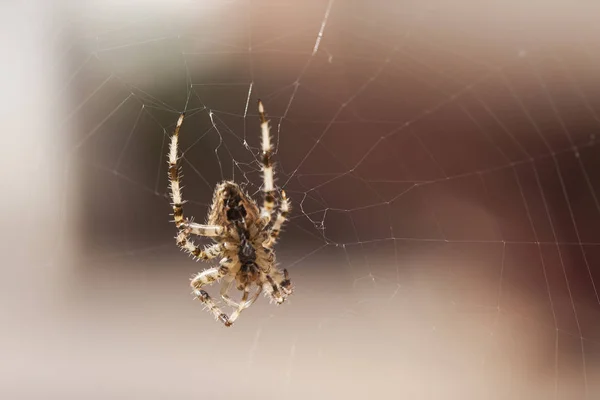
pixel 225 289
pixel 278 288
pixel 192 228
pixel 267 167
pixel 185 226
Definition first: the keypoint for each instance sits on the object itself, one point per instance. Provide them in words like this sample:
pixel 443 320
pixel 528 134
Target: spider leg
pixel 286 283
pixel 224 289
pixel 272 289
pixel 174 176
pixel 242 306
pixel 202 230
pixel 281 218
pixel 208 253
pixel 212 307
pixel 267 167
pixel 186 227
pixel 253 298
pixel 207 277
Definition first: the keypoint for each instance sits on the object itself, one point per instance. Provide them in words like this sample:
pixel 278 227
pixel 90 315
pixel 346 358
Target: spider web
pixel 442 163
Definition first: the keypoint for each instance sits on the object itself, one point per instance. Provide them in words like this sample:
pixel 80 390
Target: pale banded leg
pixel 174 176
pixel 244 303
pixel 202 230
pixel 267 167
pixel 207 277
pixel 187 228
pixel 225 289
pixel 281 218
pixel 272 289
pixel 253 298
pixel 286 283
pixel 212 307
pixel 241 307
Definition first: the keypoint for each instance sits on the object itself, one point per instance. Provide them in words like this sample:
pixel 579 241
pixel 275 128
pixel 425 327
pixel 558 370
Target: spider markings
pixel 244 235
pixel 269 200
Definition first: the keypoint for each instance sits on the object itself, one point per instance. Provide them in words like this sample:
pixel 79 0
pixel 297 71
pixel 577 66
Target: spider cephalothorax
pixel 244 235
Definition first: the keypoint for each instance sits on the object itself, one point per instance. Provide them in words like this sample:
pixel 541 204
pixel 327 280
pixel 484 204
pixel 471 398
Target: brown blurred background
pixel 443 164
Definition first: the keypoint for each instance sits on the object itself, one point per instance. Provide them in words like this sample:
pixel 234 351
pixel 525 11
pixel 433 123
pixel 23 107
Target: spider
pixel 244 235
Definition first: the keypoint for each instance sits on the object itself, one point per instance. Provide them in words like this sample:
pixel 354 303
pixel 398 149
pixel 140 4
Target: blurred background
pixel 443 163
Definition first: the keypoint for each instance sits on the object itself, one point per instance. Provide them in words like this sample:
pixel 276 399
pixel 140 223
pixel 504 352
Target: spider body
pixel 244 236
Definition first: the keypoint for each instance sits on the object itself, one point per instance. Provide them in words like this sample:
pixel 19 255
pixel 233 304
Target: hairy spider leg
pixel 208 253
pixel 284 209
pixel 286 283
pixel 207 277
pixel 177 201
pixel 242 306
pixel 267 166
pixel 272 289
pixel 253 298
pixel 244 303
pixel 203 230
pixel 225 289
pixel 186 227
pixel 227 286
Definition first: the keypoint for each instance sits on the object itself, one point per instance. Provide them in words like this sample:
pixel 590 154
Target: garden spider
pixel 244 235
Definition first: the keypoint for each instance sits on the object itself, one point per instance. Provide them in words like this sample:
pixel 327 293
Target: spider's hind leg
pixel 212 307
pixel 244 303
pixel 185 226
pixel 207 277
pixel 225 289
pixel 241 307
